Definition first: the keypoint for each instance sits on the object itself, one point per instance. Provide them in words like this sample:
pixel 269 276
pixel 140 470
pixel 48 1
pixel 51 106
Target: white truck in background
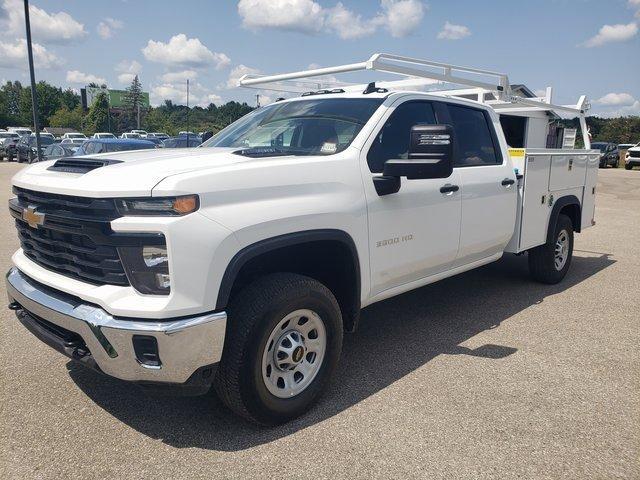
pixel 240 263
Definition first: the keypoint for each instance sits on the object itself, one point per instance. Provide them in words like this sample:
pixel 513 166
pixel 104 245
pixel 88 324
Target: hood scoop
pixel 80 165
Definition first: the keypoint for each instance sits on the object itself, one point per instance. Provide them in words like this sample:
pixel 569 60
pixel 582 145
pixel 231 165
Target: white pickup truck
pixel 239 264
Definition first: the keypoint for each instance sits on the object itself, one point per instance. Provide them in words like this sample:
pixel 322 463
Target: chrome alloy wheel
pixel 294 353
pixel 561 250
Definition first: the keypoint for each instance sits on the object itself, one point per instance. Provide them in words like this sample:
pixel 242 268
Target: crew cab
pixel 241 263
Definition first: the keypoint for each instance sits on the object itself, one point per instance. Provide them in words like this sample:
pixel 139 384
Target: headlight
pixel 156 207
pixel 147 268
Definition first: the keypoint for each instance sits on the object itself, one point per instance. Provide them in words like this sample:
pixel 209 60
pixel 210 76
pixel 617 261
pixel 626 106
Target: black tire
pixel 252 316
pixel 542 265
pixel 628 166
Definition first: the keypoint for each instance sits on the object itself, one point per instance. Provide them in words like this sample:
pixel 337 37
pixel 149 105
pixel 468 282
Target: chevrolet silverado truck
pixel 240 264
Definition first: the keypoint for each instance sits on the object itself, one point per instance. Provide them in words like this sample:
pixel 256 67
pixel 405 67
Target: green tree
pixel 70 99
pixel 64 117
pixel 133 101
pixel 98 116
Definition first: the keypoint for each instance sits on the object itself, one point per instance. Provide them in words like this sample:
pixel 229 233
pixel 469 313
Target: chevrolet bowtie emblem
pixel 33 218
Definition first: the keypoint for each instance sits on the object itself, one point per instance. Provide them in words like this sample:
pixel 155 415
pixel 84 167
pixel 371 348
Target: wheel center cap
pixel 297 354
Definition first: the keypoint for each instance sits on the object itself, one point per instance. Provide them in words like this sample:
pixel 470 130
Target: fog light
pixel 147 268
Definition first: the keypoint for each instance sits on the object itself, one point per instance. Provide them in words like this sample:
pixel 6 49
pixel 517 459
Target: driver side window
pixel 392 141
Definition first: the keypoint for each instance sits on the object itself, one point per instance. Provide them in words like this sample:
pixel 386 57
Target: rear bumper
pixel 140 350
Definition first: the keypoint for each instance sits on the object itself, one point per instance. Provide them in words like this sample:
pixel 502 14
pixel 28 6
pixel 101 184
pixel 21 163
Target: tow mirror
pixel 430 156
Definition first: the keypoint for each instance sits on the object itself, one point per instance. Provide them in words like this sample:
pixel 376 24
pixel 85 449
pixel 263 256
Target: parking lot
pixel 484 375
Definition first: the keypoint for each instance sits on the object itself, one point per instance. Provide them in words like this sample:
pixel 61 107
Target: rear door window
pixel 476 144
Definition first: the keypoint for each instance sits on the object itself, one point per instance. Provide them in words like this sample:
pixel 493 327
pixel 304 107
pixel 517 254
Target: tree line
pixel 62 108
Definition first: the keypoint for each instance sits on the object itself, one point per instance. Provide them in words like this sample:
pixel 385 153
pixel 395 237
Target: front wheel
pixel 628 166
pixel 550 262
pixel 283 342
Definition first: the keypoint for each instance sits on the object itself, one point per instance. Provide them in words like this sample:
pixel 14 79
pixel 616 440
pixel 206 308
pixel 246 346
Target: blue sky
pixel 576 46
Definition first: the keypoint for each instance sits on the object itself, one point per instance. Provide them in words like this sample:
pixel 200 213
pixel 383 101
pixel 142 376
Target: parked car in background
pixel 56 151
pixel 159 135
pixel 27 150
pixel 20 130
pixel 130 135
pixel 103 135
pixel 142 133
pixel 105 145
pixel 632 157
pixel 74 135
pixel 609 154
pixel 48 135
pixel 156 141
pixel 8 142
pixel 73 141
pixel 181 142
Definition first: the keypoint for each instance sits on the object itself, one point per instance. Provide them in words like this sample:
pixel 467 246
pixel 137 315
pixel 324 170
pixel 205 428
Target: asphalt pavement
pixel 484 375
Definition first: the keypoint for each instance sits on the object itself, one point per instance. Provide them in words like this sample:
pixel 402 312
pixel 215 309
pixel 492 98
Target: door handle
pixel 508 181
pixel 449 188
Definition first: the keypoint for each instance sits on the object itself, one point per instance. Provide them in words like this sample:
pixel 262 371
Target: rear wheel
pixel 550 262
pixel 282 345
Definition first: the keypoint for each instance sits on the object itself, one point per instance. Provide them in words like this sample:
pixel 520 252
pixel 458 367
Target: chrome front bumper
pixel 184 345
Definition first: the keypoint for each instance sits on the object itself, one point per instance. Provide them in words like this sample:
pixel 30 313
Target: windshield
pixel 599 146
pixel 75 135
pixel 304 127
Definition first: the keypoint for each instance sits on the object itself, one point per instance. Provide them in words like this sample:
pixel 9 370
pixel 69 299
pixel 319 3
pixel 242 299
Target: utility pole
pixel 34 96
pixel 257 100
pixel 188 112
pixel 138 115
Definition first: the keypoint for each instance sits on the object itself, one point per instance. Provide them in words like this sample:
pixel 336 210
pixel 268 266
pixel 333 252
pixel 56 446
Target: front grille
pixel 75 238
pixel 634 153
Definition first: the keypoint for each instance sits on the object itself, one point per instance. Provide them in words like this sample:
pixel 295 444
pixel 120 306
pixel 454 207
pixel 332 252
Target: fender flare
pixel 555 213
pixel 286 240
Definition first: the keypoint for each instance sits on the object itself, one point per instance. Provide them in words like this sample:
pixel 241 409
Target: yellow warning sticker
pixel 516 152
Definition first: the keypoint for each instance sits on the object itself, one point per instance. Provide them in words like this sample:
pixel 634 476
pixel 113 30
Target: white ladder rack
pixel 415 68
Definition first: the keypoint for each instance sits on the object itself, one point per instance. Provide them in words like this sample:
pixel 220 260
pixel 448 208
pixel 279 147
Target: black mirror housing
pixel 430 154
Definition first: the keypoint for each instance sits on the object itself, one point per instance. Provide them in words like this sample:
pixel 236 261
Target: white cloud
pixel 75 76
pixel 349 25
pixel 237 72
pixel 14 55
pixel 622 111
pixel 177 77
pixel 451 31
pixel 57 27
pixel 106 28
pixel 402 17
pixel 616 99
pixel 128 69
pixel 399 17
pixel 297 15
pixel 177 93
pixel 184 51
pixel 612 33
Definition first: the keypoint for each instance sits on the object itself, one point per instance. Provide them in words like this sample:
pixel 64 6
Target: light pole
pixel 34 96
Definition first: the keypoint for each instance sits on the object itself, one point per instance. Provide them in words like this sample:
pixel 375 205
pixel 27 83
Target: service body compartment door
pixel 589 196
pixel 535 201
pixel 567 171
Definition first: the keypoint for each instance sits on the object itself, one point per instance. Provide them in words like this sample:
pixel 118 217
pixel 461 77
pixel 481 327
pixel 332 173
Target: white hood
pixel 138 173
